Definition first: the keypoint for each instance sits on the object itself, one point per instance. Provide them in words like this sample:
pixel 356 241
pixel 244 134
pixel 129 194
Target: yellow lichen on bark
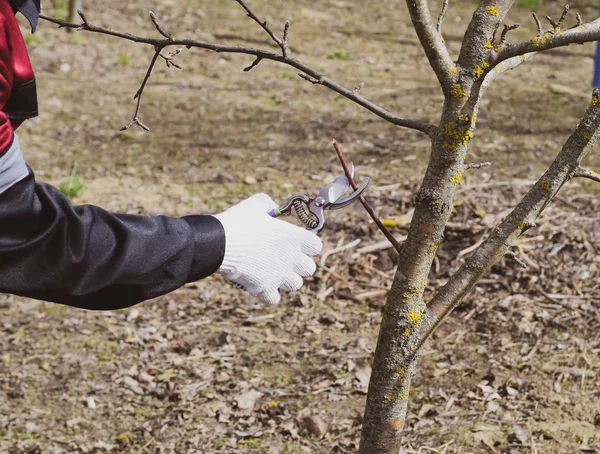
pixel 456 135
pixel 479 70
pixel 457 91
pixel 456 178
pixel 539 42
pixel 491 11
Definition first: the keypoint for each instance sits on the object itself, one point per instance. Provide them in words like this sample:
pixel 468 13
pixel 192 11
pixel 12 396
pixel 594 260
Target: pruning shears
pixel 310 211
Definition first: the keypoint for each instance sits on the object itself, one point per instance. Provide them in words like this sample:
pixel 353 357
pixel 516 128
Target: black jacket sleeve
pixel 85 257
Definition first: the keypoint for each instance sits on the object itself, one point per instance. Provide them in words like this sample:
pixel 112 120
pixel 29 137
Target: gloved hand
pixel 264 254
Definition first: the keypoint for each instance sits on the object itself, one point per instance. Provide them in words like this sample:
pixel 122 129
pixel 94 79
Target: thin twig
pixel 265 27
pixel 260 54
pixel 556 25
pixel 477 166
pixel 364 202
pixel 286 32
pixel 514 256
pixel 167 35
pixel 169 58
pixel 564 15
pixel 441 16
pixel 586 173
pixel 253 65
pixel 507 28
pixel 538 23
pixel 140 92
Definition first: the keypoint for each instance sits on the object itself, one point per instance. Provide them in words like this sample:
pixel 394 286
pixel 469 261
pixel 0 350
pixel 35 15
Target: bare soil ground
pixel 207 369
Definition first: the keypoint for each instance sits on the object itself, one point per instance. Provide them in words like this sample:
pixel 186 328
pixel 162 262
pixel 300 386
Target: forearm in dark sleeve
pixel 86 257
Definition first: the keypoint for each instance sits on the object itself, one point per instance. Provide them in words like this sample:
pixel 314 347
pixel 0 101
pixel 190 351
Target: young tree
pixel 408 320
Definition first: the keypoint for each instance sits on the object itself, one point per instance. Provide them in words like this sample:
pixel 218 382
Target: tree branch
pixel 565 166
pixel 441 16
pixel 263 24
pixel 477 46
pixel 140 92
pixel 432 42
pixel 260 55
pixel 580 34
pixel 580 172
pixel 369 209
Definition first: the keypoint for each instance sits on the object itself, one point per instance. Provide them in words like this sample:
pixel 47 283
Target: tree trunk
pixel 74 5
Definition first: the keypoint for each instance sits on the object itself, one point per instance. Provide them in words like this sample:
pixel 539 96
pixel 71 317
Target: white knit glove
pixel 264 254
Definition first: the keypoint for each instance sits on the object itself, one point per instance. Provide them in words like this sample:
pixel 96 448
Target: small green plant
pixel 339 55
pixel 249 443
pixel 72 187
pixel 123 60
pixel 61 9
pixel 32 40
pixel 529 4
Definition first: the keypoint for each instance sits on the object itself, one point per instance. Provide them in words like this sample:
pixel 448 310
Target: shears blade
pixel 333 191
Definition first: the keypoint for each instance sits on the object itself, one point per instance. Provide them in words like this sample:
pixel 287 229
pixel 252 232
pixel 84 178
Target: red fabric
pixel 15 68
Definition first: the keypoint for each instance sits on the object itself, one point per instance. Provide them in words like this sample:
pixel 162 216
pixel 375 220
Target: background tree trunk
pixel 74 5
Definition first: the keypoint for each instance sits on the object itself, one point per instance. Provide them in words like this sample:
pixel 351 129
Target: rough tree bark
pixel 407 319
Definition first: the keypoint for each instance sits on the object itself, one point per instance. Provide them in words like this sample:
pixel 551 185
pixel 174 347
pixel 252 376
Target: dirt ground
pixel 207 369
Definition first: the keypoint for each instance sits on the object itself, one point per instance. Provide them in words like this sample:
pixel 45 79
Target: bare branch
pixel 432 42
pixel 253 65
pixel 515 257
pixel 318 79
pixel 478 92
pixel 260 54
pixel 263 24
pixel 140 92
pixel 537 23
pixel 477 166
pixel 556 25
pixel 83 19
pixel 441 16
pixel 369 209
pixel 582 34
pixel 521 218
pixel 563 15
pixel 507 28
pixel 580 172
pixel 358 87
pixel 167 35
pixel 169 58
pixel 286 32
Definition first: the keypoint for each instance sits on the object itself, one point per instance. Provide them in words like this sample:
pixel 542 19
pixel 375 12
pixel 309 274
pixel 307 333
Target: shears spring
pixel 310 211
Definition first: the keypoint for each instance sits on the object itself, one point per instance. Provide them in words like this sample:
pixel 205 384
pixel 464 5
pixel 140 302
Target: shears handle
pixel 298 202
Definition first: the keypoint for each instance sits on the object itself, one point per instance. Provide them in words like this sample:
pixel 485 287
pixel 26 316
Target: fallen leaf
pixel 246 400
